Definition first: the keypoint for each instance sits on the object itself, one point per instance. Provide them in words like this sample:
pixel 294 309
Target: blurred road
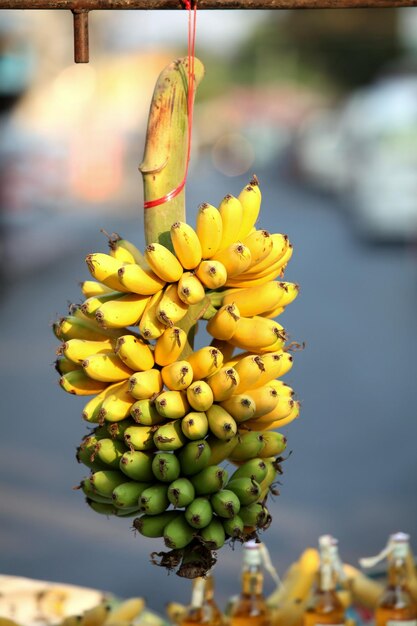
pixel 353 471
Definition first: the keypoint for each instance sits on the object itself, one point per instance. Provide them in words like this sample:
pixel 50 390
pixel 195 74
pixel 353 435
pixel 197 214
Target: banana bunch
pixel 165 419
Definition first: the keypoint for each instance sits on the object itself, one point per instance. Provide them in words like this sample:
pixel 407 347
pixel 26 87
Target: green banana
pixel 220 450
pixel 178 533
pixel 254 514
pixel 213 535
pixel 105 481
pixel 137 465
pixel 169 436
pixel 127 494
pixel 103 508
pixel 194 457
pixel 246 489
pixel 274 444
pixel 233 526
pixel 87 454
pixel 154 500
pixel 110 451
pixel 181 492
pixel 139 437
pixel 117 430
pixel 87 489
pixel 225 503
pixel 199 513
pixel 153 525
pixel 254 468
pixel 210 480
pixel 249 446
pixel 166 467
pixel 195 425
pixel 144 412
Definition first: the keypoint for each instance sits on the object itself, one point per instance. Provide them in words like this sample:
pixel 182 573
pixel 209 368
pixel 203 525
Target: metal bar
pixel 81 53
pixel 91 5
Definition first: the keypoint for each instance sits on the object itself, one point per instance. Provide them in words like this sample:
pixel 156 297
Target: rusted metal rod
pixel 81 52
pixel 91 5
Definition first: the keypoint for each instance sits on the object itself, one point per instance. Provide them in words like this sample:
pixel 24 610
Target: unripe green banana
pixel 154 500
pixel 195 425
pixel 213 535
pixel 249 446
pixel 127 494
pixel 220 450
pixel 210 480
pixel 139 437
pixel 117 430
pixel 166 467
pixel 87 454
pixel 221 423
pixel 254 468
pixel 103 508
pixel 110 451
pixel 169 436
pixel 254 514
pixel 194 457
pixel 234 526
pixel 144 412
pixel 88 490
pixel 181 492
pixel 225 503
pixel 199 513
pixel 246 489
pixel 137 465
pixel 266 483
pixel 178 533
pixel 105 481
pixel 153 525
pixel 172 404
pixel 199 395
pixel 274 444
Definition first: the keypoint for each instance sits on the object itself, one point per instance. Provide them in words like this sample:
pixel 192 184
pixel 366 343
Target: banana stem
pixel 166 149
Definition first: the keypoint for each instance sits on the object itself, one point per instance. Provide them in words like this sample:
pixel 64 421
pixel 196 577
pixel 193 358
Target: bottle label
pixel 405 622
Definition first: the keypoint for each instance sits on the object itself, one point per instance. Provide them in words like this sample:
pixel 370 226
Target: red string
pixel 192 20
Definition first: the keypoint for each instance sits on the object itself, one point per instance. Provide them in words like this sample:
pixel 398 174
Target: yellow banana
pixel 177 375
pixel 91 288
pixel 95 616
pixel 231 212
pixel 175 612
pixel 107 368
pixel 135 353
pixel 79 384
pixel 255 333
pixel 282 409
pixel 150 327
pixel 236 258
pixel 265 398
pixel 282 388
pixel 64 365
pixel 212 274
pixel 172 404
pixel 253 280
pixel 127 611
pixel 190 288
pixel 225 348
pixel 291 291
pixel 273 313
pixel 209 228
pixel 298 580
pixel 223 383
pixel 90 306
pixel 186 244
pixel 104 268
pixel 279 246
pixel 163 262
pixel 140 279
pixel 365 591
pixel 144 385
pixel 200 395
pixel 276 364
pixel 77 350
pixel 249 369
pixel 91 411
pixel 169 345
pixel 205 362
pixel 240 406
pixel 255 300
pixel 250 198
pixel 221 423
pixel 124 250
pixel 72 327
pixel 279 423
pixel 223 324
pixel 170 308
pixel 260 245
pixel 125 311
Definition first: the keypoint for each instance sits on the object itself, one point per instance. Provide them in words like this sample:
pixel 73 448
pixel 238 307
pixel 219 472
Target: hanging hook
pixel 81 52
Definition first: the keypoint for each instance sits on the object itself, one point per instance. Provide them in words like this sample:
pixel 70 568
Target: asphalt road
pixel 353 470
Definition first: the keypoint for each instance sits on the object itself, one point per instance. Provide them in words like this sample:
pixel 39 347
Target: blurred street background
pixel 322 106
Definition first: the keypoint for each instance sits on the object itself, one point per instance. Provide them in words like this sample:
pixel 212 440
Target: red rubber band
pixel 192 20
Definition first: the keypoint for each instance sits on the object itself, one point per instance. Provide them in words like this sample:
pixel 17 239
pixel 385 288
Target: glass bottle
pixel 396 605
pixel 203 609
pixel 325 606
pixel 250 607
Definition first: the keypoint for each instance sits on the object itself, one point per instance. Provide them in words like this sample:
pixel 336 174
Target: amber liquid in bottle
pixel 250 608
pixel 396 605
pixel 325 607
pixel 203 609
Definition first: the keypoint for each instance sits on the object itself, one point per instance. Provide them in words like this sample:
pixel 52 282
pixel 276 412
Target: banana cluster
pixel 166 419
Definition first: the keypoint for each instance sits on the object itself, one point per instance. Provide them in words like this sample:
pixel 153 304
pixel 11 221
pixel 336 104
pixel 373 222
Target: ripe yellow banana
pixel 163 262
pixel 223 323
pixel 90 306
pixel 231 212
pixel 255 300
pixel 144 385
pixel 225 348
pixel 365 591
pixel 252 280
pixel 64 365
pixel 205 362
pixel 72 327
pixel 79 384
pixel 236 258
pixel 124 311
pixel 91 288
pixel 77 350
pixel 265 398
pixel 140 279
pixel 150 327
pixel 209 228
pixel 250 198
pixel 279 246
pixel 117 404
pixel 259 243
pixel 212 274
pixel 135 353
pixel 276 364
pixel 200 395
pixel 124 250
pixel 249 368
pixel 177 375
pixel 190 288
pixel 240 406
pixel 282 409
pixel 91 411
pixel 186 244
pixel 125 612
pixel 223 383
pixel 298 580
pixel 279 423
pixel 170 308
pixel 107 368
pixel 104 268
pixel 169 345
pixel 282 388
pixel 255 333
